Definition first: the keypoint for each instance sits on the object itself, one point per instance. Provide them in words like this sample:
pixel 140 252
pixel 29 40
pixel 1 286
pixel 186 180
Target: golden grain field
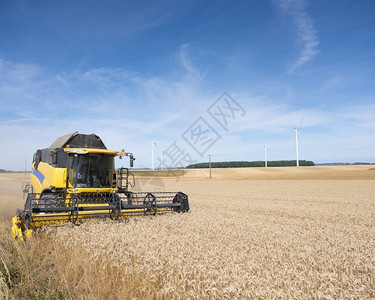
pixel 242 239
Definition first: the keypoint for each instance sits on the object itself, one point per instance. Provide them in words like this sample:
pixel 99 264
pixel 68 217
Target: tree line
pixel 245 164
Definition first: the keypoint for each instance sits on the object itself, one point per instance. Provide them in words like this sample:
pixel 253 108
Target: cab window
pixel 91 171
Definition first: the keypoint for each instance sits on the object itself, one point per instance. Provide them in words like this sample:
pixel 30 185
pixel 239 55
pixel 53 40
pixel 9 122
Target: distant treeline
pixel 245 164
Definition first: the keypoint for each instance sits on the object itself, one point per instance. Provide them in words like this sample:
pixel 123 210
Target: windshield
pixel 91 171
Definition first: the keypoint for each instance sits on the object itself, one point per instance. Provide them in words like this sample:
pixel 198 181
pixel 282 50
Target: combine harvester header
pixel 75 180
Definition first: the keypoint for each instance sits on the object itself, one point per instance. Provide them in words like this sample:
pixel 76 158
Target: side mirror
pixel 132 159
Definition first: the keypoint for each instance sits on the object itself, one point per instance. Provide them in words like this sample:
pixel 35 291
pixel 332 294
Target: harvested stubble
pixel 241 239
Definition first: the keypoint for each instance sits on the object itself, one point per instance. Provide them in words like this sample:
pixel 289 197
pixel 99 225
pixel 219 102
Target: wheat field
pixel 242 239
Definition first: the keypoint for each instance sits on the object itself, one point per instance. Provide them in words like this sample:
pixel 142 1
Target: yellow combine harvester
pixel 75 179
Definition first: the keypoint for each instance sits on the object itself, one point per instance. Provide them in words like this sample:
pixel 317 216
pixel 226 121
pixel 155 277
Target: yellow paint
pixel 56 177
pixel 19 230
pixel 52 176
pixel 94 151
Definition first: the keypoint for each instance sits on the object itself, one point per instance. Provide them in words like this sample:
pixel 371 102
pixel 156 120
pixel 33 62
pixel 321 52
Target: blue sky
pixel 133 71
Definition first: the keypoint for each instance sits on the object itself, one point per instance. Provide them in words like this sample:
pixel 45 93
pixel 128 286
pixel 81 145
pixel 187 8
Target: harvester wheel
pixel 151 200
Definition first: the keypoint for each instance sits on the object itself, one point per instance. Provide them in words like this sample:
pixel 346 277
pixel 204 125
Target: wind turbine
pixel 296 130
pixel 153 144
pixel 162 159
pixel 265 155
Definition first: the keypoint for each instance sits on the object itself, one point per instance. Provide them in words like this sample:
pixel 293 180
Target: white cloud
pixel 192 73
pixel 306 32
pixel 126 108
pixel 123 107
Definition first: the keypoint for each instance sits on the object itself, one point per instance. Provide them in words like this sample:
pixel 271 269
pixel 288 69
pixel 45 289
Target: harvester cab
pixel 75 180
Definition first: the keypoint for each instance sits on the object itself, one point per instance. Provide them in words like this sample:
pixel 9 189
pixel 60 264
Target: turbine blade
pixel 300 123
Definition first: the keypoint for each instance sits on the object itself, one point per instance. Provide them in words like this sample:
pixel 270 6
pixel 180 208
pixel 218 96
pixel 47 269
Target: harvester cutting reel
pixel 56 208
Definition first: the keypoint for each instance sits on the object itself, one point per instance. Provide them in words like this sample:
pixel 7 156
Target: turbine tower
pixel 153 144
pixel 265 155
pixel 162 159
pixel 296 130
pixel 297 134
